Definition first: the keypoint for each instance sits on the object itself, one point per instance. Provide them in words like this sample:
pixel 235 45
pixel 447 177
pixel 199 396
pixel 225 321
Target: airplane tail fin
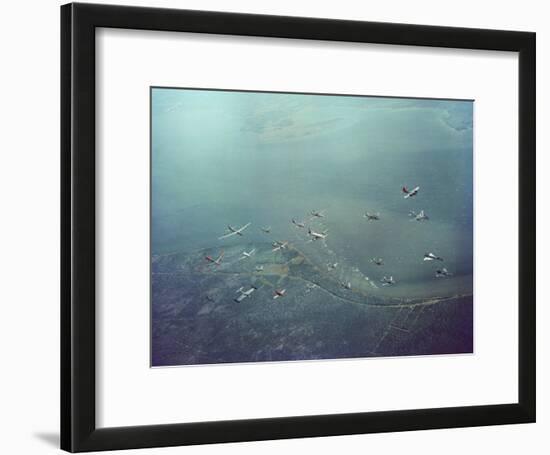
pixel 405 190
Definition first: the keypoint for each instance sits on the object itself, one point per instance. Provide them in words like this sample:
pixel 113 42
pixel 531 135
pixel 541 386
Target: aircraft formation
pixel 315 235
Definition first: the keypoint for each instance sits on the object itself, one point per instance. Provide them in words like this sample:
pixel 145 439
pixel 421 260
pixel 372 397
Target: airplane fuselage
pixel 410 193
pixel 317 235
pixel 244 294
pixel 372 216
pixel 217 261
pixel 432 257
pixel 234 231
pixel 279 293
pixel 279 246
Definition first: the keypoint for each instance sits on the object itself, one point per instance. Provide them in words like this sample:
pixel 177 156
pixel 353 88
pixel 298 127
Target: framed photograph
pixel 278 227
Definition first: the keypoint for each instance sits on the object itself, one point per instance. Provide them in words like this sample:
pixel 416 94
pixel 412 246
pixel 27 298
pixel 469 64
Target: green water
pixel 222 158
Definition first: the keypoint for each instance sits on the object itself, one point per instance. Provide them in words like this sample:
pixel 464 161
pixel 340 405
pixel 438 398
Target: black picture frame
pixel 78 174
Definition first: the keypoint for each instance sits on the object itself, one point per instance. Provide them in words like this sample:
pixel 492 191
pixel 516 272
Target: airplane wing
pixel 412 192
pixel 241 298
pixel 238 231
pixel 227 235
pixel 235 232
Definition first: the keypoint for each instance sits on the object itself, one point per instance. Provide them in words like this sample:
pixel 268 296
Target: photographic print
pixel 288 226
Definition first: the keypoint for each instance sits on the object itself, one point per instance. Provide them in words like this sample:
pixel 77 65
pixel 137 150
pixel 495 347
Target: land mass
pixel 196 320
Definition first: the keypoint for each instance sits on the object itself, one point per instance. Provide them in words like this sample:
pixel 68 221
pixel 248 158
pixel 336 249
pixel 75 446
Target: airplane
pixel 279 245
pixel 432 257
pixel 332 266
pixel 387 281
pixel 278 293
pixel 442 273
pixel 410 193
pixel 419 216
pixel 248 254
pixel 267 230
pixel 259 268
pixel 244 294
pixel 372 216
pixel 345 285
pixel 233 231
pixel 317 235
pixel 215 261
pixel 377 261
pixel 298 223
pixel 317 214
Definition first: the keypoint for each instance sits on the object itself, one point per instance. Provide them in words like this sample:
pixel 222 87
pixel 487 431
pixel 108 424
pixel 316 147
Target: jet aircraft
pixel 442 273
pixel 279 293
pixel 372 216
pixel 217 261
pixel 410 193
pixel 244 294
pixel 432 257
pixel 233 231
pixel 317 235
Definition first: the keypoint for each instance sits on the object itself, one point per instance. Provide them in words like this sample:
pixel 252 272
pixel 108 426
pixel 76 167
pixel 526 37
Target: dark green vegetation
pixel 195 319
